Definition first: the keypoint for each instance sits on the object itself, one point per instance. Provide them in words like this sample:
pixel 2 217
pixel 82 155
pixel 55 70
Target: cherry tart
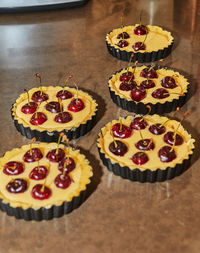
pixel 48 187
pixel 148 43
pixel 53 110
pixel 158 149
pixel 160 88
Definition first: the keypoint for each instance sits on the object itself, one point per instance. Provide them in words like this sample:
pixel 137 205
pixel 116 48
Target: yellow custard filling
pixel 50 125
pixel 182 151
pixel 156 39
pixel 80 176
pixel 175 93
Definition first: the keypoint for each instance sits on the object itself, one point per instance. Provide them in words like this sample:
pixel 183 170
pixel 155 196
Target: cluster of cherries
pixel 139 30
pixel 138 92
pixel 166 153
pixel 39 118
pixel 39 191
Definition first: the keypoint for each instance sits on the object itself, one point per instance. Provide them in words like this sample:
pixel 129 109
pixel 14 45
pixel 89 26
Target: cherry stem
pixel 115 143
pixel 129 63
pixel 38 166
pixel 141 135
pixel 76 93
pixel 59 140
pixel 164 123
pixel 43 186
pixel 176 81
pixel 69 77
pixel 27 96
pixel 39 76
pixel 36 113
pixel 33 140
pixel 149 110
pixel 120 126
pixel 61 105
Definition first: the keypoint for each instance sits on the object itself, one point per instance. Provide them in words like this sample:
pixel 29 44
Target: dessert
pixel 162 89
pixel 45 187
pixel 51 110
pixel 157 149
pixel 148 43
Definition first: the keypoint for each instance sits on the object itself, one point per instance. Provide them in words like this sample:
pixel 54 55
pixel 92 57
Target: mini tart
pixel 61 201
pixel 154 169
pixel 158 44
pixel 81 123
pixel 158 106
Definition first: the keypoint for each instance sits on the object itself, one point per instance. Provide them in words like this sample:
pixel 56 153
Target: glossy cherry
pixel 126 77
pixel 120 149
pixel 29 108
pixel 145 144
pixel 53 107
pixel 13 168
pixel 140 30
pixel 160 93
pixel 137 46
pixel 38 119
pixel 17 185
pixel 124 132
pixel 140 158
pixel 39 96
pixel 147 84
pixel 169 139
pixel 32 156
pixel 62 181
pixel 122 43
pixel 38 173
pixel 64 94
pixel 69 164
pixel 138 123
pixel 123 35
pixel 166 154
pixel 40 192
pixel 128 86
pixel 168 82
pixel 55 157
pixel 76 105
pixel 138 94
pixel 149 73
pixel 157 129
pixel 63 117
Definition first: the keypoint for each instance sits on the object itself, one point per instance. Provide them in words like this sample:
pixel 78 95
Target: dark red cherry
pixel 160 93
pixel 32 156
pixel 147 84
pixel 169 139
pixel 69 164
pixel 53 107
pixel 64 94
pixel 130 85
pixel 149 73
pixel 38 119
pixel 13 168
pixel 126 77
pixel 76 105
pixel 123 35
pixel 138 123
pixel 138 46
pixel 157 129
pixel 166 154
pixel 140 30
pixel 138 94
pixel 122 43
pixel 40 192
pixel 62 181
pixel 29 108
pixel 54 156
pixel 145 144
pixel 38 173
pixel 17 185
pixel 120 149
pixel 39 96
pixel 140 158
pixel 168 82
pixel 63 117
pixel 124 132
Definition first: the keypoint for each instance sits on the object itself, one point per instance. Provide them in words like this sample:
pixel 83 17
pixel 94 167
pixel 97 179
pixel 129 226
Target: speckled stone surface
pixel 119 215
